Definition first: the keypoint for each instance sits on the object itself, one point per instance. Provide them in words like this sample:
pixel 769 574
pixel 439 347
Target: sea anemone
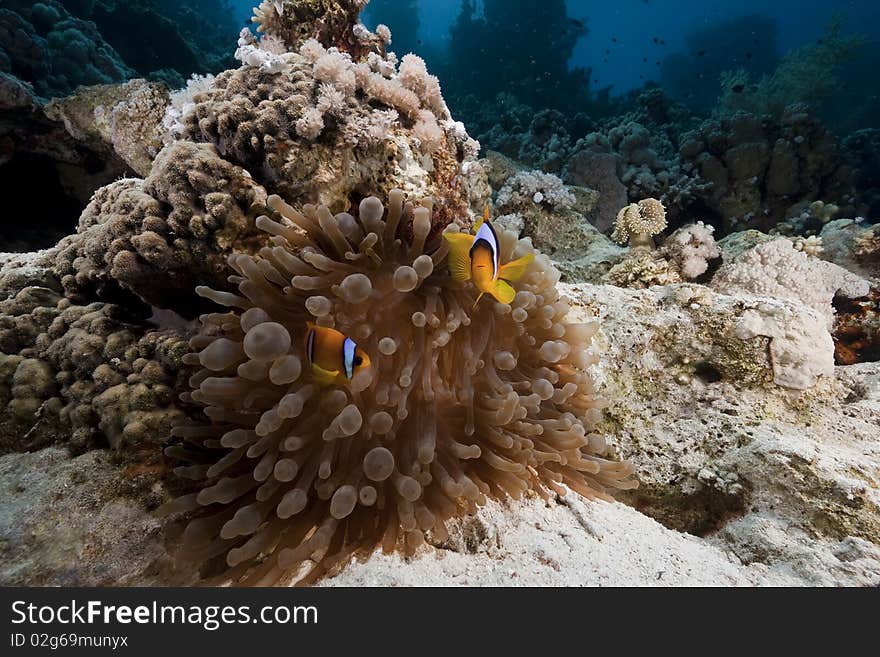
pixel 461 402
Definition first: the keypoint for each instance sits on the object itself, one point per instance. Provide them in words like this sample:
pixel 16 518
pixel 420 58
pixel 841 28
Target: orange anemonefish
pixel 476 258
pixel 332 357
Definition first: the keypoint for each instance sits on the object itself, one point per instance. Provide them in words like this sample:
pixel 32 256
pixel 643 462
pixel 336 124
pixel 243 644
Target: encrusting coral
pixel 459 405
pixel 776 269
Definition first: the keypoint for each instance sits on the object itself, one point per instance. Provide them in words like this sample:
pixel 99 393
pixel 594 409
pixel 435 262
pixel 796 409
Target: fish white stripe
pixel 310 346
pixel 487 234
pixel 348 348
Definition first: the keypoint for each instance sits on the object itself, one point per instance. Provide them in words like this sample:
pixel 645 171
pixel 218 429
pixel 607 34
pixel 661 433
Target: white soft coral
pixel 690 248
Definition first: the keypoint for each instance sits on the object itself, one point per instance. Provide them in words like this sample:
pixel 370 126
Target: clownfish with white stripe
pixel 332 357
pixel 476 258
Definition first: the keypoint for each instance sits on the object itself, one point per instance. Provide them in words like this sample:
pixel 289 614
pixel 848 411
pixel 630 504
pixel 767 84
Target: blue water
pixel 636 22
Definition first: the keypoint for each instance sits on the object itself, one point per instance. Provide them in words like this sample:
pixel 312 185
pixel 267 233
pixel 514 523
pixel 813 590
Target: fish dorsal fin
pixel 482 219
pixel 486 236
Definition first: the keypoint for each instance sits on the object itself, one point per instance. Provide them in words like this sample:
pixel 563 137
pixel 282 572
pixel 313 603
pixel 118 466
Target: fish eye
pixel 358 361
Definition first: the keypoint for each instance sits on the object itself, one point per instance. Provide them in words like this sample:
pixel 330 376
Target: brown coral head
pixel 331 22
pixel 457 406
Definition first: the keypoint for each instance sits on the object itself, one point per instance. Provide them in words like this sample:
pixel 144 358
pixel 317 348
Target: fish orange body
pixel 332 357
pixel 475 258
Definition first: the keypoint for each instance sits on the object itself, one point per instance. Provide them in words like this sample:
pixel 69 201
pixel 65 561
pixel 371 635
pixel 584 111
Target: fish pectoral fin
pixel 324 377
pixel 514 270
pixel 459 255
pixel 503 291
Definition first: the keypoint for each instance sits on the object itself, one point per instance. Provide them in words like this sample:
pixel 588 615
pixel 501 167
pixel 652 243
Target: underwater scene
pixel 439 292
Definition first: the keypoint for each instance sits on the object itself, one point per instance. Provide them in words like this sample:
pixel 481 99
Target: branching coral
pixel 458 405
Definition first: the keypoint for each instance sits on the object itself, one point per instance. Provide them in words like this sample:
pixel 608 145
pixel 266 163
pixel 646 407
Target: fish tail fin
pixel 459 255
pixel 503 291
pixel 323 377
pixel 514 270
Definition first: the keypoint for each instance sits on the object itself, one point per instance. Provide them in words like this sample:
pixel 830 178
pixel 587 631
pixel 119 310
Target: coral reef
pixel 806 75
pixel 125 119
pixel 683 256
pixel 862 152
pixel 58 46
pixel 747 43
pixel 539 188
pixel 760 170
pixel 853 246
pixel 781 478
pixel 333 23
pixel 86 375
pixel 738 379
pixel 159 237
pixel 294 471
pixel 360 127
pixel 56 52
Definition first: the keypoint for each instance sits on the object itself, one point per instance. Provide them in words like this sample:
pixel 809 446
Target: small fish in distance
pixel 333 358
pixel 476 258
